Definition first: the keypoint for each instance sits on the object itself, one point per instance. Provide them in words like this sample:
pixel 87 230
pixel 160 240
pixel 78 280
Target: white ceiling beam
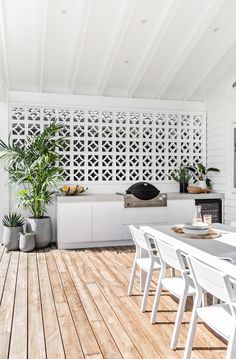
pixel 88 5
pixel 4 46
pixel 192 40
pixel 126 16
pixel 210 63
pixel 169 13
pixel 43 44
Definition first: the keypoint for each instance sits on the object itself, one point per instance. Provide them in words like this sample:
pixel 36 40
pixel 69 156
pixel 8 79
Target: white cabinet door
pixel 144 215
pixel 74 222
pixel 180 211
pixel 107 225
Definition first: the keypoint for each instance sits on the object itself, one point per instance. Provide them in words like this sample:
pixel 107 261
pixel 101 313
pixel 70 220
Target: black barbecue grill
pixel 144 194
pixel 143 190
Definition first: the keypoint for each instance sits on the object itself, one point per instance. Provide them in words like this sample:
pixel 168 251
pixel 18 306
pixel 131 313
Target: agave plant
pixel 182 174
pixel 34 167
pixel 13 220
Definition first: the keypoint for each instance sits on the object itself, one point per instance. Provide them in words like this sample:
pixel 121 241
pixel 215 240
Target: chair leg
pixel 143 279
pixel 156 301
pixel 146 290
pixel 191 335
pixel 132 277
pixel 178 320
pixel 231 350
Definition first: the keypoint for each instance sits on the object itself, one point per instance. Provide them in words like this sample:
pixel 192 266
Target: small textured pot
pixel 27 242
pixel 42 227
pixel 11 237
pixel 202 184
pixel 183 187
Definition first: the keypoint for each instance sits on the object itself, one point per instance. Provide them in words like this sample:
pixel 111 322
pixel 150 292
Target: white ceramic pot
pixel 11 237
pixel 202 184
pixel 27 242
pixel 42 228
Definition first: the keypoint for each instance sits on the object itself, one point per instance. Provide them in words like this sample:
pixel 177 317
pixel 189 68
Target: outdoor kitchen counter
pixel 112 197
pixel 100 220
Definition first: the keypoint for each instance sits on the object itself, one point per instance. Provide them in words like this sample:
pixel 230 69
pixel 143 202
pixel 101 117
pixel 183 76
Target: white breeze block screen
pixel 119 145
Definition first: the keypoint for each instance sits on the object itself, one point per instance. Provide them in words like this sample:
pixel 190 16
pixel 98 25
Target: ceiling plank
pixel 4 46
pixel 169 13
pixel 189 45
pixel 88 5
pixel 213 59
pixel 120 33
pixel 43 43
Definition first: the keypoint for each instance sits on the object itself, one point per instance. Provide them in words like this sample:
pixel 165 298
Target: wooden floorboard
pixel 7 305
pixel 18 345
pixel 36 337
pixel 52 331
pixel 73 304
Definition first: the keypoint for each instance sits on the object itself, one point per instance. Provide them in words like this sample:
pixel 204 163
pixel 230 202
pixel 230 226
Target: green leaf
pixel 213 169
pixel 202 168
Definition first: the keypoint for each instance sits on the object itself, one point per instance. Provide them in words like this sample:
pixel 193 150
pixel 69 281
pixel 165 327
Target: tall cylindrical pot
pixel 27 242
pixel 42 228
pixel 183 187
pixel 11 237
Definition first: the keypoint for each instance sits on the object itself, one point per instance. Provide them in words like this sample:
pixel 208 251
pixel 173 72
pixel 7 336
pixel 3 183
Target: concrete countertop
pixel 111 197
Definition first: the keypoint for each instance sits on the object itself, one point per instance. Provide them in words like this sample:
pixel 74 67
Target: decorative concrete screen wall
pixel 114 146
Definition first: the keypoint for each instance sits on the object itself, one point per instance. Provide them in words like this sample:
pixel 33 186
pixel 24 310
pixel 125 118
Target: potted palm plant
pixel 12 226
pixel 182 175
pixel 200 172
pixel 34 167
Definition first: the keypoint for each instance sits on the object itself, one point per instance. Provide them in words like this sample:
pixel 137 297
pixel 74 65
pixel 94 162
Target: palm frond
pixel 35 166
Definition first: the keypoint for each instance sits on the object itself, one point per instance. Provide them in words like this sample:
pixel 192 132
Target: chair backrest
pixel 170 255
pixel 212 280
pixel 140 238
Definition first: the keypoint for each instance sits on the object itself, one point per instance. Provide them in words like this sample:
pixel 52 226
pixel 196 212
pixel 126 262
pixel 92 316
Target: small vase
pixel 27 242
pixel 183 187
pixel 10 237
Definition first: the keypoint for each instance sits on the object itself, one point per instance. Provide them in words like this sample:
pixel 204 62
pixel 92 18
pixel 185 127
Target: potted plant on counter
pixel 182 175
pixel 200 172
pixel 34 167
pixel 12 227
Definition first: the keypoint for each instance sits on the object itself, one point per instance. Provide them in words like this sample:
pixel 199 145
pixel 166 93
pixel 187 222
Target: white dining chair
pixel 147 264
pixel 221 317
pixel 179 286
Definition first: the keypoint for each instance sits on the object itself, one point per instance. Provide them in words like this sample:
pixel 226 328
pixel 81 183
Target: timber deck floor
pixel 73 304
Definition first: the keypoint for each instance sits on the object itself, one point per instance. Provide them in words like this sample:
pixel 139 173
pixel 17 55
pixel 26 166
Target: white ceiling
pixel 163 49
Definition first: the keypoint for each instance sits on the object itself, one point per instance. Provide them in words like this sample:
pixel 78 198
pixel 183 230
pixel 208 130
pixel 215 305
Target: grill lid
pixel 143 190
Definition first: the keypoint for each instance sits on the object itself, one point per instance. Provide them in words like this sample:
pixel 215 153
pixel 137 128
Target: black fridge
pixel 211 206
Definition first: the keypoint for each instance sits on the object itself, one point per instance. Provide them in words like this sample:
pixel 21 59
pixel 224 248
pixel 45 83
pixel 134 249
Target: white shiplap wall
pixel 221 115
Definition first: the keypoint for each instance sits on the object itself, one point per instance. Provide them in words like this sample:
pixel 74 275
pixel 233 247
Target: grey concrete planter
pixel 11 237
pixel 27 242
pixel 42 228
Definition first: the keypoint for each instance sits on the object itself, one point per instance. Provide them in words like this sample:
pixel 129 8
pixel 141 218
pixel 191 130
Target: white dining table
pixel 208 250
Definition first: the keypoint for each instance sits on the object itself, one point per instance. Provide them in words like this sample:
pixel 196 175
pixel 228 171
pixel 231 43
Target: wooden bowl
pixel 195 190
